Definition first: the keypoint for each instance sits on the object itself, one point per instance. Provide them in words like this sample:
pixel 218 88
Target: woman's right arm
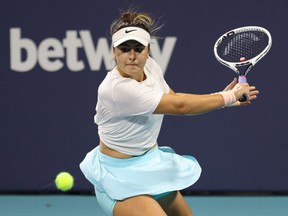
pixel 195 104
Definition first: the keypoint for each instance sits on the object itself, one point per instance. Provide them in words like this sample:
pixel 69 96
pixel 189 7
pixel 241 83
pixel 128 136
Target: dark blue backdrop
pixel 49 79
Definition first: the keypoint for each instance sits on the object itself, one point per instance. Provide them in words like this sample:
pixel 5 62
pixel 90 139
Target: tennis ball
pixel 64 181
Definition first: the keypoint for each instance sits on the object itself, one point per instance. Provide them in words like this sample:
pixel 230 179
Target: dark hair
pixel 131 17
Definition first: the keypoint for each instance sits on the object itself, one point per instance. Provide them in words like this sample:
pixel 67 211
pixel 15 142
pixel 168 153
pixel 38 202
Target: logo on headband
pixel 126 31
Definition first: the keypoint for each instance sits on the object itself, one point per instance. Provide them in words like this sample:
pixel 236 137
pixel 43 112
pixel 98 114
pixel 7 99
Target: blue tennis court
pixel 86 205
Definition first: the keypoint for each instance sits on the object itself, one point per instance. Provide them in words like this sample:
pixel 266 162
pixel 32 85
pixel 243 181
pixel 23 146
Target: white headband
pixel 131 33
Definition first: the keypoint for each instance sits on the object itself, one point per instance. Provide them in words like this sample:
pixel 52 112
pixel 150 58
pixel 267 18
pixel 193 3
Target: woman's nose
pixel 132 54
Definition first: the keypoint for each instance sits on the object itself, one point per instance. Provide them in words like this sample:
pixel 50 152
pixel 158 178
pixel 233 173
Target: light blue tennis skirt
pixel 157 171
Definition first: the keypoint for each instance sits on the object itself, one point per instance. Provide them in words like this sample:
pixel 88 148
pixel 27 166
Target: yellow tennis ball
pixel 64 181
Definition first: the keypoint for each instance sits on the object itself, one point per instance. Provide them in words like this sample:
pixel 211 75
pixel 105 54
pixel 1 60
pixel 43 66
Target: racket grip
pixel 242 79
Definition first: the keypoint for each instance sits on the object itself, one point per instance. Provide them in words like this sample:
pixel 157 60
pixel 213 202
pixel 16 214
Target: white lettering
pixel 163 57
pixel 17 45
pixel 49 49
pixel 72 43
pixel 50 54
pixel 95 55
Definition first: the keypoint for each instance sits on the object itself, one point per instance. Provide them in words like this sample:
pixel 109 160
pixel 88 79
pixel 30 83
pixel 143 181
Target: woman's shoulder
pixel 152 66
pixel 150 62
pixel 114 82
pixel 113 77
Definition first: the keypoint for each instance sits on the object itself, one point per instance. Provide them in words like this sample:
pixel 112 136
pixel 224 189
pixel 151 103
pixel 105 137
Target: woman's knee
pixel 138 206
pixel 175 204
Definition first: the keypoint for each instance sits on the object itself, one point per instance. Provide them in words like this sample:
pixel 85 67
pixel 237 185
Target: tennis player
pixel 131 173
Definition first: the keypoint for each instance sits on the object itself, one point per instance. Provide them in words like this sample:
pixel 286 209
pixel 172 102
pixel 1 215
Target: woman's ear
pixel 114 54
pixel 148 50
pixel 113 51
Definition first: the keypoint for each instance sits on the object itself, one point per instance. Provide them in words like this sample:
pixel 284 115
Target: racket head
pixel 243 46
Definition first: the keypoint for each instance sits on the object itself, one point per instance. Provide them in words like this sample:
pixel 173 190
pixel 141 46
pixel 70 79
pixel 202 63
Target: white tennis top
pixel 124 110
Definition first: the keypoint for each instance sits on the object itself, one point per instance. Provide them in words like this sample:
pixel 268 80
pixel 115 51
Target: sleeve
pixel 132 98
pixel 156 70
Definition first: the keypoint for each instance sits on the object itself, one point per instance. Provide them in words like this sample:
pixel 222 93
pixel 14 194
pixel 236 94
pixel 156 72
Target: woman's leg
pixel 174 204
pixel 138 206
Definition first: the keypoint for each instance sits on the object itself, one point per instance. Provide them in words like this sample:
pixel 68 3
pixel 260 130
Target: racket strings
pixel 245 44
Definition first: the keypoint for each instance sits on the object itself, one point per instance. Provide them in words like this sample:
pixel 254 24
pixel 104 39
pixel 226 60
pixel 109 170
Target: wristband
pixel 229 97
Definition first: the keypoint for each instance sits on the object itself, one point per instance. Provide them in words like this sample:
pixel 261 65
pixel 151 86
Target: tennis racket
pixel 240 49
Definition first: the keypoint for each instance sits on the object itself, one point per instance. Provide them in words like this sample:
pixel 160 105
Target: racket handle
pixel 242 79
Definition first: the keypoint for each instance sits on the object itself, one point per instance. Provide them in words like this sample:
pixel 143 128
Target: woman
pixel 131 174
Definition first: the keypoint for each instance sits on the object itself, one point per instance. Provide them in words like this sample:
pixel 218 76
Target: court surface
pixel 84 205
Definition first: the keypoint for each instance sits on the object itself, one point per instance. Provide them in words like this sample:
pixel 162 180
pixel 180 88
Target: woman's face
pixel 131 57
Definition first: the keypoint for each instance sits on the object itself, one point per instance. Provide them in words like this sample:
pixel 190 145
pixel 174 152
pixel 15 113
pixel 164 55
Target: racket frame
pixel 250 62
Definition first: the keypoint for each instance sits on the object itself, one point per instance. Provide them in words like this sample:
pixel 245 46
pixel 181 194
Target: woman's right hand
pixel 241 89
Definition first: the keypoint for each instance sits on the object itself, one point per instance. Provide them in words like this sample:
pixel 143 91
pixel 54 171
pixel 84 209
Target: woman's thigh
pixel 175 204
pixel 138 206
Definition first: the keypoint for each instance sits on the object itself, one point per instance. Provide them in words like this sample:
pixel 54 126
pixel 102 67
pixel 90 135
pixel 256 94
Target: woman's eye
pixel 124 49
pixel 127 49
pixel 139 49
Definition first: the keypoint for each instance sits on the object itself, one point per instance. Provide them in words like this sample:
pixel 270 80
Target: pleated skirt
pixel 157 171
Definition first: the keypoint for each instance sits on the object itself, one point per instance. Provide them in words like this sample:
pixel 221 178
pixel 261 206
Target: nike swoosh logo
pixel 126 31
